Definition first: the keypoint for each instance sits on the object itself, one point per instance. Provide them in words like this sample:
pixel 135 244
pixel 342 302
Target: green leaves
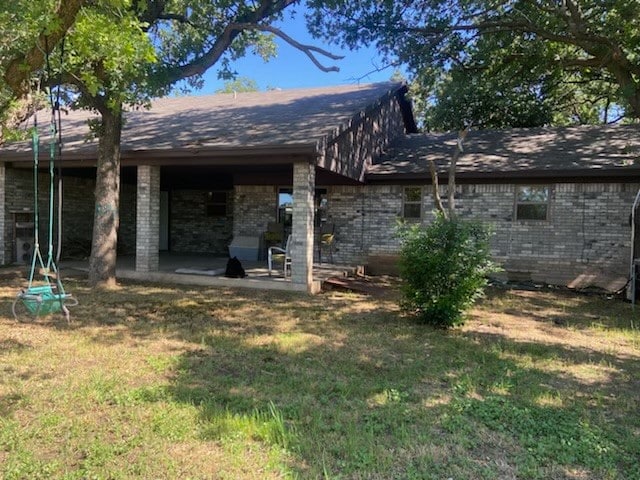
pixel 111 54
pixel 444 268
pixel 497 64
pixel 240 84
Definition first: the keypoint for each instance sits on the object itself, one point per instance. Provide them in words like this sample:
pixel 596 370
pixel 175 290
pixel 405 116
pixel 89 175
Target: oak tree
pixel 569 59
pixel 121 53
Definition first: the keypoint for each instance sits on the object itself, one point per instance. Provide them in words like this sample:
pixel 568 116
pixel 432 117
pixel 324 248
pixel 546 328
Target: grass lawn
pixel 179 382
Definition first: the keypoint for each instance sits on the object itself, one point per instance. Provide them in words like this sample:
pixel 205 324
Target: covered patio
pixel 208 270
pixel 198 172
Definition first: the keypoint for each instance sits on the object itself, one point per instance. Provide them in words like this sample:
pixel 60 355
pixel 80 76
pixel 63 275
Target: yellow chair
pixel 327 240
pixel 280 254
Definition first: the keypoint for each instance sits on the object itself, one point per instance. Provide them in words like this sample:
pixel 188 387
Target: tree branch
pixel 580 62
pixel 202 63
pixel 308 50
pixel 20 69
pixel 376 69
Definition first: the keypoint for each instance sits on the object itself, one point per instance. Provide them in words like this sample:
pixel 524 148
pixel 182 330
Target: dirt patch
pixel 374 286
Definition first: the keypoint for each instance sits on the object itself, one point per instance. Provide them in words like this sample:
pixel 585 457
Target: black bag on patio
pixel 234 269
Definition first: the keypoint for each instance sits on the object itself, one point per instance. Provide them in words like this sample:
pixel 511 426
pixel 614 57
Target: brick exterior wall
pixel 587 230
pixel 304 180
pixel 77 213
pixel 192 230
pixel 127 230
pixel 253 208
pixel 148 219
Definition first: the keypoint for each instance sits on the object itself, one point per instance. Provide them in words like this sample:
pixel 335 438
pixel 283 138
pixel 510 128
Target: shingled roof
pixel 298 118
pixel 585 151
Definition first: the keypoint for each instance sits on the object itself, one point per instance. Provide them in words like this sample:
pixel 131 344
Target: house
pixel 211 168
pixel 559 200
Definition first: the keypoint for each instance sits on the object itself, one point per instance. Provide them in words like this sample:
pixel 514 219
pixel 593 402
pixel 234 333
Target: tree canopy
pixel 240 84
pixel 28 31
pixel 119 53
pixel 536 62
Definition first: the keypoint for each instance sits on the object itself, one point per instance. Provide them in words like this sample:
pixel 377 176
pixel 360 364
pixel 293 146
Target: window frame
pixel 281 211
pixel 320 204
pixel 209 203
pixel 517 202
pixel 406 202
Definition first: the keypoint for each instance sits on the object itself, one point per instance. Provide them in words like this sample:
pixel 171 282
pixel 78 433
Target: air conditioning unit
pixel 24 249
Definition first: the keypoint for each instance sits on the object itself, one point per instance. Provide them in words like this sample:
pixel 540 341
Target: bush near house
pixel 444 268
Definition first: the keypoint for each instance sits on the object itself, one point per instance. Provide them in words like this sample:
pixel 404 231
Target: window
pixel 532 203
pixel 412 203
pixel 285 206
pixel 322 204
pixel 216 204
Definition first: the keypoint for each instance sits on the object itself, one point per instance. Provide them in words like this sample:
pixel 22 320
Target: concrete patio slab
pixel 257 272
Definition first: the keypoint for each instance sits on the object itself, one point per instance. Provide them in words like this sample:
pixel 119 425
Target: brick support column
pixel 148 219
pixel 304 180
pixel 4 234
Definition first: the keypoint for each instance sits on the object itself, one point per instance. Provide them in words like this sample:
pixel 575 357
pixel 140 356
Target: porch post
pixel 148 219
pixel 3 220
pixel 304 179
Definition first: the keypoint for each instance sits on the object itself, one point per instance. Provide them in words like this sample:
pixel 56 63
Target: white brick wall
pixel 304 175
pixel 588 225
pixel 148 219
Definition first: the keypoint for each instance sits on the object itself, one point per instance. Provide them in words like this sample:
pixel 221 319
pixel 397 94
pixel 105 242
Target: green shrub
pixel 444 269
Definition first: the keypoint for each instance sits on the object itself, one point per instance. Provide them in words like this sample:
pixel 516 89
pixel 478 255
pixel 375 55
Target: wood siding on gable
pixel 350 151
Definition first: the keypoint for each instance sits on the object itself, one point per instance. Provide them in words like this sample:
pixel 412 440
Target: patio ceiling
pixel 218 176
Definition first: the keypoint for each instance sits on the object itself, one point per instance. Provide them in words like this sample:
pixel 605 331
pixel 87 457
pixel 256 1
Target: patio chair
pixel 327 240
pixel 273 236
pixel 280 254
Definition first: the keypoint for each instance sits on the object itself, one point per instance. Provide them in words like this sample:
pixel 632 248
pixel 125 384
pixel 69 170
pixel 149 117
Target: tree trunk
pixel 629 87
pixel 102 263
pixel 449 213
pixel 437 200
pixel 451 186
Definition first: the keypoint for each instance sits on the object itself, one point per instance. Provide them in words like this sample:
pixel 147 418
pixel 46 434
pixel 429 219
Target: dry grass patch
pixel 176 382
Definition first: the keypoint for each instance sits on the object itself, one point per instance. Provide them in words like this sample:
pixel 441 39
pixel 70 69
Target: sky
pixel 293 69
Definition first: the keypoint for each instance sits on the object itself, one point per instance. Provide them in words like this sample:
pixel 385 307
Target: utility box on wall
pixel 23 232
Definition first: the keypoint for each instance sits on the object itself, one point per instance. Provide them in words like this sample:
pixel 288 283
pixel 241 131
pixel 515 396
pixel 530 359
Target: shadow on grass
pixel 352 403
pixel 349 388
pixel 566 308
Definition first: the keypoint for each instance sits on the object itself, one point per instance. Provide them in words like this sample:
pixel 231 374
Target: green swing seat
pixel 43 300
pixel 47 297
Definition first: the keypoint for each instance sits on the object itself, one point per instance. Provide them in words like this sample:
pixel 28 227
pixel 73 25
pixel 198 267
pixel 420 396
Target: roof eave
pixel 628 173
pixel 184 156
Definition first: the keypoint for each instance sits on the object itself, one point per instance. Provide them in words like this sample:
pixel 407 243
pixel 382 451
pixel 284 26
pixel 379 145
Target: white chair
pixel 284 254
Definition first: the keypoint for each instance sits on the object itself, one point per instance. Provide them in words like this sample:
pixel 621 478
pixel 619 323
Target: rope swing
pixel 45 293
